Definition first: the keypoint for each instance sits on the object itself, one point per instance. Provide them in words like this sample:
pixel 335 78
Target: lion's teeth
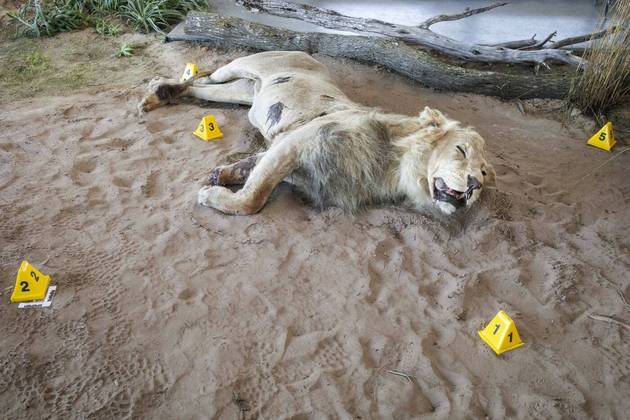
pixel 440 184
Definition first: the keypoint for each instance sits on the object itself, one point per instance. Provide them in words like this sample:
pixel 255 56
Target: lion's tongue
pixel 441 185
pixel 453 193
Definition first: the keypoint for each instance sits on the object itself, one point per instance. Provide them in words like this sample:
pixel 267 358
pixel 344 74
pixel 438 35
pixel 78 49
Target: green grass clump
pixel 106 5
pixel 125 50
pixel 107 28
pixel 48 17
pixel 605 81
pixel 149 15
pixel 23 63
pixel 36 62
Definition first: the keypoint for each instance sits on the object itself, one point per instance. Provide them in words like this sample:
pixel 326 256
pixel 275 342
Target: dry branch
pixel 456 16
pixel 540 44
pixel 419 65
pixel 577 39
pixel 610 320
pixel 515 44
pixel 409 34
pixel 562 43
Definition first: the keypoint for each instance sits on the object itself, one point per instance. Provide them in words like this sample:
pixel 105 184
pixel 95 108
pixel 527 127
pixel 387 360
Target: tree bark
pixel 515 44
pixel 416 35
pixel 421 66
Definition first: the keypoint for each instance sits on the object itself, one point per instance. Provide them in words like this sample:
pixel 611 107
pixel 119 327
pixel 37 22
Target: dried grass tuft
pixel 606 80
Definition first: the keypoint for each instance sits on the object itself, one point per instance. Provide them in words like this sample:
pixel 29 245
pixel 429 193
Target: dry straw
pixel 605 81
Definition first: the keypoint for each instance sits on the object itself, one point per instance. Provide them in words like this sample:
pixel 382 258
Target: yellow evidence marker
pixel 190 70
pixel 604 138
pixel 30 284
pixel 500 334
pixel 208 129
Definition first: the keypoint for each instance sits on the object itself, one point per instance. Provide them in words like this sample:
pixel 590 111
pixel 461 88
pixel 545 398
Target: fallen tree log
pixel 420 35
pixel 419 65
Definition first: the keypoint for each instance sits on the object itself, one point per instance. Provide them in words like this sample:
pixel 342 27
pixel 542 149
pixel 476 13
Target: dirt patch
pixel 71 62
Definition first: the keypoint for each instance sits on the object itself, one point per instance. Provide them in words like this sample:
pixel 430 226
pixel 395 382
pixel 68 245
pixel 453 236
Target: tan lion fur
pixel 336 152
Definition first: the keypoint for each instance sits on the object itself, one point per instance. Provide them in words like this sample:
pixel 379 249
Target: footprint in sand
pixel 81 168
pixel 96 197
pixel 121 182
pixel 150 186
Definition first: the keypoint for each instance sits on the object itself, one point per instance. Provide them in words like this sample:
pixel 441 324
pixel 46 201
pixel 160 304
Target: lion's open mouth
pixel 442 192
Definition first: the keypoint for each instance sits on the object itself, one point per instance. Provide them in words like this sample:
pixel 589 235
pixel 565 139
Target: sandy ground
pixel 169 310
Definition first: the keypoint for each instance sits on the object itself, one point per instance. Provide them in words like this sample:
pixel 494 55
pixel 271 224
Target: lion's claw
pixel 213 178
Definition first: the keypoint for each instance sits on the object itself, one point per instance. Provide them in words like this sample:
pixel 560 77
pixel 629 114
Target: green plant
pixel 38 17
pixel 23 64
pixel 605 82
pixel 156 15
pixel 33 63
pixel 107 28
pixel 30 15
pixel 148 15
pixel 125 50
pixel 110 5
pixel 36 59
pixel 48 17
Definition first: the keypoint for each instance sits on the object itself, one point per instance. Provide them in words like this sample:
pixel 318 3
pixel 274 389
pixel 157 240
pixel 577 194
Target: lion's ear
pixel 490 179
pixel 432 117
pixel 433 124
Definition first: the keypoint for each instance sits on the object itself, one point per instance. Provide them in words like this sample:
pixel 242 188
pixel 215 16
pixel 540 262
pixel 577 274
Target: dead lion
pixel 338 153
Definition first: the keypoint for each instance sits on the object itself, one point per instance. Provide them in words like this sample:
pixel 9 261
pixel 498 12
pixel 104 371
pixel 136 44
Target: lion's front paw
pixel 207 195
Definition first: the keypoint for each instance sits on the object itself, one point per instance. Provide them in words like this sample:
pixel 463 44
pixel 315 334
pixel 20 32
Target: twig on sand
pixel 2 292
pixel 198 224
pixel 610 320
pixel 403 374
pixel 623 299
pixel 412 379
pixel 602 165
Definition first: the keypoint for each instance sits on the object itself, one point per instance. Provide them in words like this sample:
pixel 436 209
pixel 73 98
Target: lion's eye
pixel 461 150
pixel 483 173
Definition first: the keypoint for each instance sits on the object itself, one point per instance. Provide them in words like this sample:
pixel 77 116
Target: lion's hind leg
pixel 275 164
pixel 163 91
pixel 239 91
pixel 160 92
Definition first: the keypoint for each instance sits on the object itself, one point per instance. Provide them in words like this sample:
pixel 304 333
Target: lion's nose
pixel 472 184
